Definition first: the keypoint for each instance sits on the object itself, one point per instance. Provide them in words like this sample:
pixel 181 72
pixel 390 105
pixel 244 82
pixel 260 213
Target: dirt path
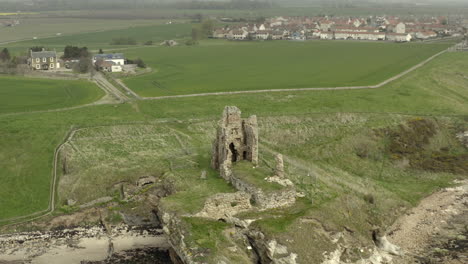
pixel 102 82
pixel 417 231
pixel 130 91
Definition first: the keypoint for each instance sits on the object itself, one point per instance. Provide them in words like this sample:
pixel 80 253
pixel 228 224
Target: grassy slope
pixel 21 94
pixel 27 141
pixel 231 66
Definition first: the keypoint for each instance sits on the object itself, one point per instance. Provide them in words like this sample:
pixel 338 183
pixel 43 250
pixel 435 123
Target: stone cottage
pixel 43 60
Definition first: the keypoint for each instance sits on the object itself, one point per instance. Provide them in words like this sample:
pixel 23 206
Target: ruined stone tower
pixel 236 140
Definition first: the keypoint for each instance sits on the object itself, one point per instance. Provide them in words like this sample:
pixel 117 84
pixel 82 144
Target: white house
pixel 262 34
pixel 360 35
pixel 239 34
pixel 400 28
pixel 426 34
pixel 326 35
pixel 397 37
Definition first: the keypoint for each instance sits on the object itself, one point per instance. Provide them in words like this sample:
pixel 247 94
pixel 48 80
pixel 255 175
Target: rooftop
pixel 113 56
pixel 43 54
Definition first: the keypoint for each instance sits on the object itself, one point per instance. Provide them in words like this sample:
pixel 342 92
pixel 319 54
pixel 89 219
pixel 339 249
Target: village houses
pixel 338 28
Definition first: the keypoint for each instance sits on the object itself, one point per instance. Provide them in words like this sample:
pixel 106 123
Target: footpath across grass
pixel 19 94
pixel 222 66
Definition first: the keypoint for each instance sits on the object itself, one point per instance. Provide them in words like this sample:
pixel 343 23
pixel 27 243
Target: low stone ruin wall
pixel 266 200
pixel 225 205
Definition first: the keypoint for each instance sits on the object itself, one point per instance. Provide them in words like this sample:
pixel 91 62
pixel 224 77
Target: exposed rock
pixel 223 205
pixel 145 181
pixel 140 220
pixel 265 200
pixel 279 171
pixel 172 228
pixel 382 243
pixel 270 251
pixel 279 180
pixel 291 259
pixel 97 201
pixel 463 137
pixel 203 175
pixel 169 43
pixel 71 202
pixel 236 140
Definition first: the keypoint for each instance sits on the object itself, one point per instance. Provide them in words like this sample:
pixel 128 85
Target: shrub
pixel 191 42
pixel 139 62
pixel 369 198
pixel 123 41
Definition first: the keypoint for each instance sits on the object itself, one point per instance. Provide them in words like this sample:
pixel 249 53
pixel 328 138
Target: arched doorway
pixel 234 152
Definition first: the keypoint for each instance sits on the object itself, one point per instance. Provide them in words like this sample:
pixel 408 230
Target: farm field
pixel 290 9
pixel 437 90
pixel 48 27
pixel 23 94
pixel 221 66
pixel 96 40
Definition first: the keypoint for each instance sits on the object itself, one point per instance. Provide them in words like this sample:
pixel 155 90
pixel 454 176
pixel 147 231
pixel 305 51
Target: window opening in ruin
pixel 234 152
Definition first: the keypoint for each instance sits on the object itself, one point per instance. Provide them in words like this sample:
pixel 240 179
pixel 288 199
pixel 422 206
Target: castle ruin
pixel 236 140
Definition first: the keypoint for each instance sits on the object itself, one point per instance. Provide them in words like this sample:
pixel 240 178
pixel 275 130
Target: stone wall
pixel 236 139
pixel 265 200
pixel 225 205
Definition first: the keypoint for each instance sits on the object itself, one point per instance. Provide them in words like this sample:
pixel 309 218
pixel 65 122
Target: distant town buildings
pixel 384 28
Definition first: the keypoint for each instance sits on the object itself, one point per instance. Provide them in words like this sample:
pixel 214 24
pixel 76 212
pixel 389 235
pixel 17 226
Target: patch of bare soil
pixel 435 231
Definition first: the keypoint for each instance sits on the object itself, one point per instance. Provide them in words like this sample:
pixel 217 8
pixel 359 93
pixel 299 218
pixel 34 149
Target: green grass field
pixel 19 94
pixel 28 141
pixel 219 66
pixel 96 40
pixel 49 27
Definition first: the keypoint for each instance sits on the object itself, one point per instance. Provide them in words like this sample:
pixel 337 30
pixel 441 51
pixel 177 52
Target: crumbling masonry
pixel 236 140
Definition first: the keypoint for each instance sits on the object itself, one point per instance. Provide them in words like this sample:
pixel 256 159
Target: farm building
pixel 117 58
pixel 109 62
pixel 43 60
pixel 108 66
pixel 360 35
